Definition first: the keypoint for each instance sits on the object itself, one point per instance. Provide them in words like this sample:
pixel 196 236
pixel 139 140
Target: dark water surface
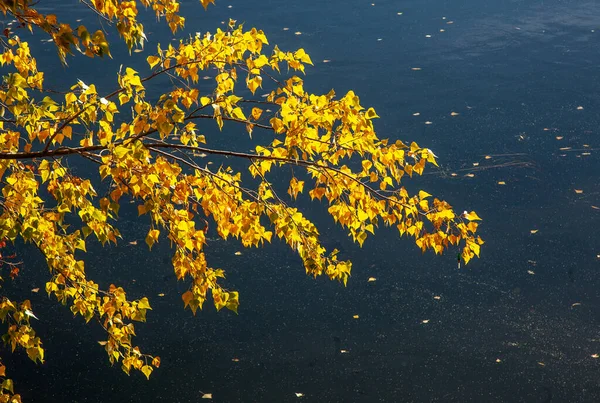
pixel 505 328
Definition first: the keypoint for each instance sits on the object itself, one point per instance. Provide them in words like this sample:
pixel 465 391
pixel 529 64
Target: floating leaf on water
pixel 298 394
pixel 379 39
pixel 450 22
pixel 576 304
pixel 425 321
pixel 35 289
pixel 541 364
pixel 355 316
pixel 442 30
pixel 161 294
pixel 580 108
pixel 453 174
pixel 596 207
pixel 371 280
pixel 207 396
pixel 133 243
pixel 501 183
pixel 415 68
pixel 437 297
pixel 476 164
pixel 454 113
pixel 344 351
pixel 578 191
pixel 533 231
pixel 428 122
pixel 470 175
pixel 595 356
pixel 297 33
pixel 326 61
pixel 586 154
pixel 427 36
pixel 498 360
pixel 102 342
pixel 238 253
pixel 559 137
pixel 416 114
pixel 564 148
pixel 399 13
pixel 235 359
pixel 531 272
pixel 286 29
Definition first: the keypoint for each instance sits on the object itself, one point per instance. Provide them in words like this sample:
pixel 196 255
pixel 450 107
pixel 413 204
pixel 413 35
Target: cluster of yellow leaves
pixel 149 158
pixel 7 393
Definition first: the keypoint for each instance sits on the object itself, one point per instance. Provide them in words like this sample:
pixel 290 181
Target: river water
pixel 520 324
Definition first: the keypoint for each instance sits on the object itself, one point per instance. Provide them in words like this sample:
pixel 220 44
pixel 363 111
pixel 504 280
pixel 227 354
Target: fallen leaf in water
pixel 235 359
pixel 498 360
pixel 476 164
pixel 425 321
pixel 501 183
pixel 416 114
pixel 596 207
pixel 541 364
pixel 427 36
pixel 35 289
pixel 576 304
pixel 450 22
pixel 595 355
pixel 371 279
pixel 138 50
pixel 578 191
pixel 559 137
pixel 207 396
pixel 286 29
pixel 428 122
pixel 533 231
pixel 415 68
pixel 442 30
pixel 437 297
pixel 298 394
pixel 162 294
pixel 579 108
pixel 586 154
pixel 488 157
pixel 454 113
pixel 564 148
pixel 102 342
pixel 297 33
pixel 355 316
pixel 133 243
pixel 453 174
pixel 470 175
pixel 238 253
pixel 326 61
pixel 530 272
pixel 344 351
pixel 399 13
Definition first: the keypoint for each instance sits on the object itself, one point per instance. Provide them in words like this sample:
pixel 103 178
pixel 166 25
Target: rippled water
pixel 516 72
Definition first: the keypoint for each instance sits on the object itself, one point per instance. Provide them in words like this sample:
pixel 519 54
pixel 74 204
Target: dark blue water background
pixel 516 72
